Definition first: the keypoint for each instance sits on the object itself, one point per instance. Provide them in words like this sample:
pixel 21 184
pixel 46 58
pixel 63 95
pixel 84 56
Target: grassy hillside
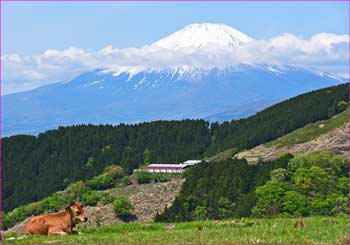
pixel 279 119
pixel 230 153
pixel 329 135
pixel 318 131
pixel 269 231
pixel 311 131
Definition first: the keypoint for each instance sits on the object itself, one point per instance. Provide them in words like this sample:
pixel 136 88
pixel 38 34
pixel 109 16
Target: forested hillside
pixel 279 119
pixel 35 167
pixel 315 184
pixel 220 190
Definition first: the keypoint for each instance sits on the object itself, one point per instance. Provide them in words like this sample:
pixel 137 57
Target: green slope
pixel 280 119
pixel 311 131
pixel 305 134
pixel 250 231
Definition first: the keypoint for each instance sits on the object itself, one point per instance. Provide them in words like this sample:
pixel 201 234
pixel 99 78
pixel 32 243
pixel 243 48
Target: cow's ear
pixel 68 210
pixel 81 206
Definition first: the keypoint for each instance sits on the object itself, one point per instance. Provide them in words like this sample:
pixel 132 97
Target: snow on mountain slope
pixel 105 97
pixel 138 93
pixel 202 35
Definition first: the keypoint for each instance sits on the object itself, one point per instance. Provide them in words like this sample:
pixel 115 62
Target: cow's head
pixel 76 211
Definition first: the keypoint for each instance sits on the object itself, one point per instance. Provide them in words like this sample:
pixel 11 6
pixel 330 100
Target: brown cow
pixel 299 223
pixel 61 223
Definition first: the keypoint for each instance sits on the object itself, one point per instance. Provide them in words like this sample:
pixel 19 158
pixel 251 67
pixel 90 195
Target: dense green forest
pixel 315 184
pixel 220 190
pixel 36 166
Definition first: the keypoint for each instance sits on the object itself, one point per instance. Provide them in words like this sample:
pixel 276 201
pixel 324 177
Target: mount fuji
pixel 202 35
pixel 214 93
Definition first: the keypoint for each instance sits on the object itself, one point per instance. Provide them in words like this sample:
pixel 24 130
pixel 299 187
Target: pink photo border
pixel 148 1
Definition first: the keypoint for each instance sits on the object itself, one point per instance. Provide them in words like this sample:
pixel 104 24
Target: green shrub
pixel 123 207
pixel 341 206
pixel 200 213
pixel 225 208
pixel 107 179
pixel 89 163
pixel 90 198
pixel 7 221
pixel 106 198
pixel 76 189
pixel 143 177
pixel 295 204
pixel 35 208
pixel 101 182
pixel 161 177
pixel 115 171
pixel 343 185
pixel 269 199
pixel 320 206
pixel 342 105
pixel 146 177
pixel 49 203
pixel 126 180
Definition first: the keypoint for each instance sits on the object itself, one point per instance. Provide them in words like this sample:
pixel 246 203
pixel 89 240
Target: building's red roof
pixel 162 167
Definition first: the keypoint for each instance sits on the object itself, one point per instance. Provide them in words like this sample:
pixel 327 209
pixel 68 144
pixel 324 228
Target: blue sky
pixel 44 42
pixel 32 28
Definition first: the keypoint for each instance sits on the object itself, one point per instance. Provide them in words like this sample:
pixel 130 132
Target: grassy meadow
pixel 316 230
pixel 311 131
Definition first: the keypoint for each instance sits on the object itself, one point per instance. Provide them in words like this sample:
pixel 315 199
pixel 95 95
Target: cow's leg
pixel 57 232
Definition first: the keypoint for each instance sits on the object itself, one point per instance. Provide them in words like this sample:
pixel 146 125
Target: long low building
pixel 170 168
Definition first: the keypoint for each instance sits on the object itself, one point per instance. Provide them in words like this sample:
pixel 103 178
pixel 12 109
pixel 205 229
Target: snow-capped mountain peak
pixel 202 35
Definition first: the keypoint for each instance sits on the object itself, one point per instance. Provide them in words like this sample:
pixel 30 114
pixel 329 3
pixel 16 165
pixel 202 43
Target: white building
pixel 191 162
pixel 165 168
pixel 170 168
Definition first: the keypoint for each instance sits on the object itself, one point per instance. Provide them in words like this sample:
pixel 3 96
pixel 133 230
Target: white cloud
pixel 324 51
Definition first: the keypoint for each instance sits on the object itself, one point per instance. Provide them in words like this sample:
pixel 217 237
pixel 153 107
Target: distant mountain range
pixel 213 93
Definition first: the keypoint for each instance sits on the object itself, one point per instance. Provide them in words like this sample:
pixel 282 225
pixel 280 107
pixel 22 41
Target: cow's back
pixel 37 226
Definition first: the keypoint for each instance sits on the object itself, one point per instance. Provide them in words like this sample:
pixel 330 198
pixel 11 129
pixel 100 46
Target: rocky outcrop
pixel 147 199
pixel 148 202
pixel 99 216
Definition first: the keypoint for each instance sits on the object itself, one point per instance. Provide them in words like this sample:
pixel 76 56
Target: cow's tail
pixel 16 238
